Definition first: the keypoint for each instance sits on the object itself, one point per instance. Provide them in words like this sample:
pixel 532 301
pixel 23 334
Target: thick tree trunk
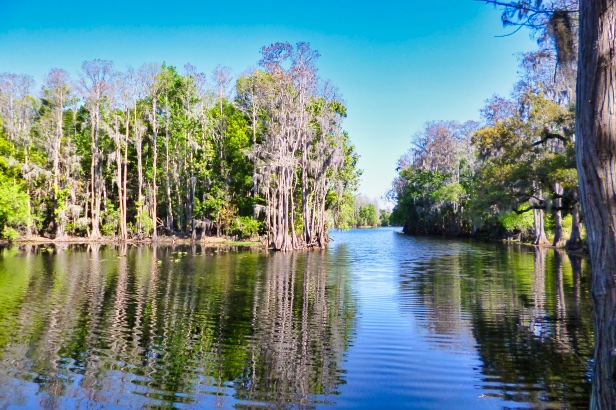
pixel 596 162
pixel 540 237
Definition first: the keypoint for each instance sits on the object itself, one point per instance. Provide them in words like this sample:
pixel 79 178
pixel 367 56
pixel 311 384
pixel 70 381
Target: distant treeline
pixel 140 153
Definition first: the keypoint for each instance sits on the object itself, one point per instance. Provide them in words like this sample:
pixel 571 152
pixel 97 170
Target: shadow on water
pixel 171 326
pixel 526 312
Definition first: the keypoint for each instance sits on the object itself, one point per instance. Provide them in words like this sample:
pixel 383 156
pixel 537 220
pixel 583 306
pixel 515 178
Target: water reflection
pixel 151 326
pixel 525 312
pixel 299 355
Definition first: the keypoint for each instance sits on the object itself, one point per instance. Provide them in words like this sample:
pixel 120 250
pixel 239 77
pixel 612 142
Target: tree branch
pixel 549 136
pixel 519 6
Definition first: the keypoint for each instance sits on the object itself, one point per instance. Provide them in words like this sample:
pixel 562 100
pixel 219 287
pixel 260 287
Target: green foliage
pixel 516 223
pixel 342 209
pixel 367 215
pixel 426 200
pixel 9 233
pixel 340 202
pixel 111 220
pixel 62 195
pixel 146 222
pixel 245 227
pixel 449 193
pixel 7 152
pixel 384 217
pixel 13 208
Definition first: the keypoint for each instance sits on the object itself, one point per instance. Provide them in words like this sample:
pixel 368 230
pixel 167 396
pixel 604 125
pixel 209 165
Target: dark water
pixel 379 320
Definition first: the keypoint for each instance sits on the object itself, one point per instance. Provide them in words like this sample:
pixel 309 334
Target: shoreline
pixel 161 240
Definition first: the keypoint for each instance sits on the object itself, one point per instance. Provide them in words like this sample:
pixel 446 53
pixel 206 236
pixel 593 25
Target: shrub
pixel 245 227
pixel 13 208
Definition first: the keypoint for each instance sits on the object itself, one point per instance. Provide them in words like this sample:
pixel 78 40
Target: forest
pixel 158 151
pixel 511 175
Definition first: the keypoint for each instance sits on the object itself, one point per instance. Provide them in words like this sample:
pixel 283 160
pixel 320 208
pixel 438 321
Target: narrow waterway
pixel 378 320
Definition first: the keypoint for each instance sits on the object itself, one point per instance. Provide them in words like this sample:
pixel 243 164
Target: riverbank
pixel 161 240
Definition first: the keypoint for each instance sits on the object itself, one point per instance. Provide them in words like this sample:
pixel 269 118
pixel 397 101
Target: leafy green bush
pixel 245 227
pixel 111 220
pixel 514 223
pixel 9 233
pixel 13 208
pixel 146 221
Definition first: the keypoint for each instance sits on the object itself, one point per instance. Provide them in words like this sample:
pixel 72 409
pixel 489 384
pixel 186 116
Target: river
pixel 378 320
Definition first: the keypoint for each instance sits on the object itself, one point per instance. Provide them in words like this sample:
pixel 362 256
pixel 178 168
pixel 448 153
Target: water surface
pixel 379 320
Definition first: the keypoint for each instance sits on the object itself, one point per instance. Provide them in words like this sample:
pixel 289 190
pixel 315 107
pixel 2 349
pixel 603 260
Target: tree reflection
pixel 140 326
pixel 529 314
pixel 301 333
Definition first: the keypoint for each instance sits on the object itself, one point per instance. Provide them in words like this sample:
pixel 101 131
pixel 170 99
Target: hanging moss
pixel 560 29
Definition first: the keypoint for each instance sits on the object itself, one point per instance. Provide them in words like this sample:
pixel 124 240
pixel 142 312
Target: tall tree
pixel 126 95
pixel 196 104
pixel 57 92
pixel 596 159
pixel 96 84
pixel 152 88
pixel 301 146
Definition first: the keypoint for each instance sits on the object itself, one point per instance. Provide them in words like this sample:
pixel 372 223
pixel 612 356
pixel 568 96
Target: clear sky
pixel 398 64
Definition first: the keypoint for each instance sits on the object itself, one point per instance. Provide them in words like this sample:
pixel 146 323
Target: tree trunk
pixel 539 238
pixel 96 203
pixel 575 240
pixel 154 162
pixel 559 239
pixel 125 182
pixel 120 179
pixel 140 182
pixel 168 179
pixel 58 219
pixel 190 193
pixel 596 161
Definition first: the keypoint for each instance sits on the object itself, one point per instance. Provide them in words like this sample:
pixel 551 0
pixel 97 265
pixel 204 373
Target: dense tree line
pixel 508 176
pixel 139 153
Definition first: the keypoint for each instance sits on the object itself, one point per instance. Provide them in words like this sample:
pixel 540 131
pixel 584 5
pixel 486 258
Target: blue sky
pixel 397 64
